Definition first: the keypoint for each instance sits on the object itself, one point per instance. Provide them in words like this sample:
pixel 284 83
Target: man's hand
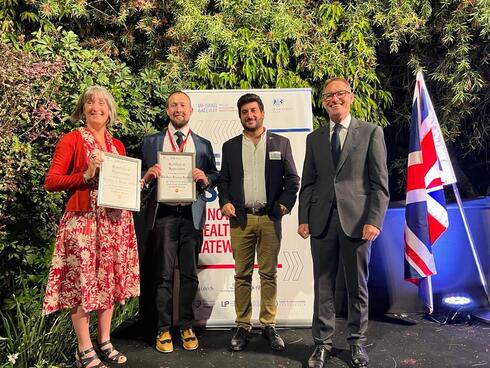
pixel 228 210
pixel 284 209
pixel 304 230
pixel 370 232
pixel 199 175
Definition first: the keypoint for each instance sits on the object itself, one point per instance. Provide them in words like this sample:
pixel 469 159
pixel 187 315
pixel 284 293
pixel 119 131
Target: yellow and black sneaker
pixel 164 342
pixel 189 339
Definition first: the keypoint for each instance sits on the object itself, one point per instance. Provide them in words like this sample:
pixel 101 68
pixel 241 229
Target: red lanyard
pixel 174 146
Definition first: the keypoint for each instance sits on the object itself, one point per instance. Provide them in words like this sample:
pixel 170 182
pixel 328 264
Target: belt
pixel 256 211
pixel 165 210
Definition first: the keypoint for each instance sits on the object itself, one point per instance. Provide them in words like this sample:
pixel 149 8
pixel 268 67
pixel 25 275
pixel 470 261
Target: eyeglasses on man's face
pixel 338 94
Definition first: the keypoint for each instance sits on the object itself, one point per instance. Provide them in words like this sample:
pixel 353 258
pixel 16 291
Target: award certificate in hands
pixel 119 185
pixel 175 184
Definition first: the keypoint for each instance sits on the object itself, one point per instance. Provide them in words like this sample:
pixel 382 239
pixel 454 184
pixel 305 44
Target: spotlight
pixel 457 301
pixel 458 306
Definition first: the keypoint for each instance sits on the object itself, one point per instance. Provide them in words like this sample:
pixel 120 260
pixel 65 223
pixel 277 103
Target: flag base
pixel 482 315
pixel 450 317
pixel 446 316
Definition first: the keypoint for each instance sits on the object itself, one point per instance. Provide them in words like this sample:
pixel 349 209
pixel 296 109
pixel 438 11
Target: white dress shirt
pixel 344 123
pixel 253 161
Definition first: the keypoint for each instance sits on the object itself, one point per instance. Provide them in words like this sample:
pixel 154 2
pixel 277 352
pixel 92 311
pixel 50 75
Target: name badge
pixel 275 155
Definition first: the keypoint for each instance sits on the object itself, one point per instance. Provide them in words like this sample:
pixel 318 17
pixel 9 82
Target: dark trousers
pixel 174 239
pixel 327 250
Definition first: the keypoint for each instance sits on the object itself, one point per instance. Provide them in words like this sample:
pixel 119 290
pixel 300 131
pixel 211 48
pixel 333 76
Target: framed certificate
pixel 175 184
pixel 119 185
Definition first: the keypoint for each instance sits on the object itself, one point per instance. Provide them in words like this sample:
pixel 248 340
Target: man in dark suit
pixel 342 203
pixel 177 228
pixel 257 186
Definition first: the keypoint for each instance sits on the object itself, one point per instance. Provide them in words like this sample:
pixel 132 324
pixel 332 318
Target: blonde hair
pixel 88 94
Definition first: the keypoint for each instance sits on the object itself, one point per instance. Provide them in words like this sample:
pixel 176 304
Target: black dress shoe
pixel 239 339
pixel 360 357
pixel 320 356
pixel 275 340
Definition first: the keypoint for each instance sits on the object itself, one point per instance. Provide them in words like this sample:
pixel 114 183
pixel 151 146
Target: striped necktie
pixel 180 138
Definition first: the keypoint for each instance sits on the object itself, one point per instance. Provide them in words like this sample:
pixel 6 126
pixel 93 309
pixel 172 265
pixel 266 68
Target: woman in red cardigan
pixel 95 261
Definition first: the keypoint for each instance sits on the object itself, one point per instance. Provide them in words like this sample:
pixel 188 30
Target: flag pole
pixel 472 243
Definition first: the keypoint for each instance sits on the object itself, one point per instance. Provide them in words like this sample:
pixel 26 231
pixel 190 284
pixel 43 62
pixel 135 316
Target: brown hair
pixel 337 79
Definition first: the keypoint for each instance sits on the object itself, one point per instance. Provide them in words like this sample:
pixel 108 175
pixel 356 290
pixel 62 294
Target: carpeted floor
pixel 394 341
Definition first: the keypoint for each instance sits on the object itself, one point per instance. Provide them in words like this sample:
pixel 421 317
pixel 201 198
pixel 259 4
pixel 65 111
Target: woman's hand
pixel 152 173
pixel 94 164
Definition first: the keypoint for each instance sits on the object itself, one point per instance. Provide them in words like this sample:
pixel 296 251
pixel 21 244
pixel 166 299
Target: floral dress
pixel 95 261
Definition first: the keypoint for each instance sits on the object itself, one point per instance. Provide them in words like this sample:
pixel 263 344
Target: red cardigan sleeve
pixel 119 146
pixel 65 173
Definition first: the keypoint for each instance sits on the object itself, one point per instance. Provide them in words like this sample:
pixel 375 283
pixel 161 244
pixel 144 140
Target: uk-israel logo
pixel 207 107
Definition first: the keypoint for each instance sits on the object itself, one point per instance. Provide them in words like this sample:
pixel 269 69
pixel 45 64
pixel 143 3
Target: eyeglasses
pixel 338 94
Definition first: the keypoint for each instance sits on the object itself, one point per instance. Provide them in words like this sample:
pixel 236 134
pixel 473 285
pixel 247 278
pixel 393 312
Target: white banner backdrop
pixel 215 117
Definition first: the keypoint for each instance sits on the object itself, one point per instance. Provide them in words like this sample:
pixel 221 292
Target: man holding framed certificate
pixel 183 164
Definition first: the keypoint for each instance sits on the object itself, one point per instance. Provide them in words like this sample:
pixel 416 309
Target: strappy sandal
pixel 106 356
pixel 82 360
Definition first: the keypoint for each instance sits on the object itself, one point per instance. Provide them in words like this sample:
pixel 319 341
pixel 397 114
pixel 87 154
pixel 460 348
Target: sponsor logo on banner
pixel 280 104
pixel 291 303
pixel 277 102
pixel 205 288
pixel 200 303
pixel 207 107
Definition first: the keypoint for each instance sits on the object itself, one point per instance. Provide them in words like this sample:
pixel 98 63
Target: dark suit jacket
pixel 360 182
pixel 204 161
pixel 282 181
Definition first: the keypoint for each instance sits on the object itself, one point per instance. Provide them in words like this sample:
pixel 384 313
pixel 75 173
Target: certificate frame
pixel 119 182
pixel 175 184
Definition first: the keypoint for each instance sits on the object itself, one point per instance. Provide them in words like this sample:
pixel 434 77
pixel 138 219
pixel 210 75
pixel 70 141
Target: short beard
pixel 179 125
pixel 258 126
pixel 251 130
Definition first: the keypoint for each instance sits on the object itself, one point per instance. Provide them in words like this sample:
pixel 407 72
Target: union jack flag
pixel 425 214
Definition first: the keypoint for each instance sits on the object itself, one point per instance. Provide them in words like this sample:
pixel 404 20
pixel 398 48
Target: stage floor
pixel 395 341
